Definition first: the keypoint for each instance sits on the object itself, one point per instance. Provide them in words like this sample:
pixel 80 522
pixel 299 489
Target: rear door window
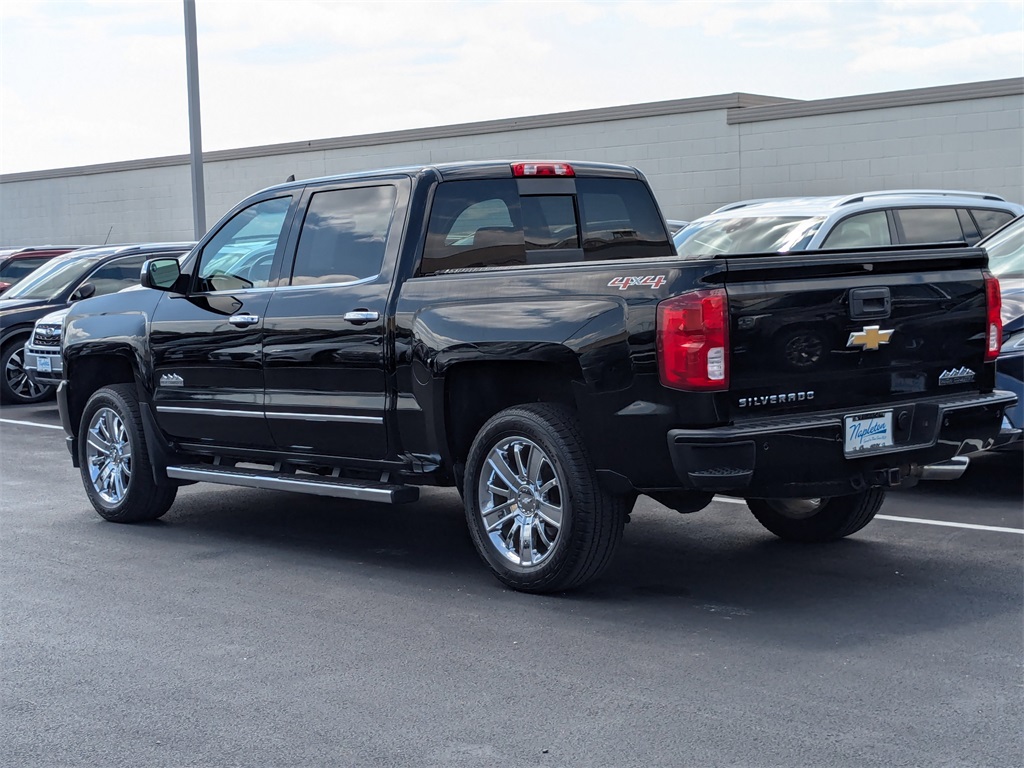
pixel 344 235
pixel 929 225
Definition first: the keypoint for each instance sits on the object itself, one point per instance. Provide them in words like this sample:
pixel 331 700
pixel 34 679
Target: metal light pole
pixel 194 123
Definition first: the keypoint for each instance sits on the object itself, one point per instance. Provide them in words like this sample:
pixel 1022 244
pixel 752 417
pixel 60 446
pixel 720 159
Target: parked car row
pixel 30 376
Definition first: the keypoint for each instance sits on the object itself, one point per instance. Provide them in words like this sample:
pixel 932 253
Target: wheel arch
pixel 476 391
pixel 14 332
pixel 92 372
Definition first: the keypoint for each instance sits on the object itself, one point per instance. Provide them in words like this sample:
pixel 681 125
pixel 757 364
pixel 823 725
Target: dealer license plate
pixel 43 364
pixel 867 431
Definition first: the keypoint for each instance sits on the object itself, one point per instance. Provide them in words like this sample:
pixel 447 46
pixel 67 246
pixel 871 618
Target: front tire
pixel 16 386
pixel 115 466
pixel 535 511
pixel 816 520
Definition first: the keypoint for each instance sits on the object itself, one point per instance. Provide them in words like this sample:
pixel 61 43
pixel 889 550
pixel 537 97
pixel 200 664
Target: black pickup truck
pixel 527 333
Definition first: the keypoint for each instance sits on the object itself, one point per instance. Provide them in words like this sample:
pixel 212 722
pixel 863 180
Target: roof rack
pixel 862 196
pixel 745 203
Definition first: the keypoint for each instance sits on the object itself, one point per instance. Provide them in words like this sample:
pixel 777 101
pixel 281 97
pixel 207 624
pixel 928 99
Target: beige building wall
pixel 697 153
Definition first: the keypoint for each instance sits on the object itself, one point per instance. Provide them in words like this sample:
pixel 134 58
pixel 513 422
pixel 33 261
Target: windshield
pixel 746 234
pixel 1006 251
pixel 52 279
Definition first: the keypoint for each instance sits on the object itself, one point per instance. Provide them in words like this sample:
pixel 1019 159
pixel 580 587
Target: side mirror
pixel 161 274
pixel 84 291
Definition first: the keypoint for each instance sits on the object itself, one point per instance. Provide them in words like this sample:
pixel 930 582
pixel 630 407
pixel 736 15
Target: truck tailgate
pixel 826 330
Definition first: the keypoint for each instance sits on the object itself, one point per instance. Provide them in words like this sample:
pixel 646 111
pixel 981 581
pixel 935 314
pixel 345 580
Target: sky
pixel 94 82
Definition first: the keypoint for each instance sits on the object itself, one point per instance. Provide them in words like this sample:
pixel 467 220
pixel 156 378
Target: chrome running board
pixel 341 488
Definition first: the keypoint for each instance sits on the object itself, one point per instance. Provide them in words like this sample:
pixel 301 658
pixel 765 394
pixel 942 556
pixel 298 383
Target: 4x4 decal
pixel 647 281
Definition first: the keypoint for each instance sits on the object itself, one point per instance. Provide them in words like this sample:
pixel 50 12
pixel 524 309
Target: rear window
pixel 480 224
pixel 989 221
pixel 15 269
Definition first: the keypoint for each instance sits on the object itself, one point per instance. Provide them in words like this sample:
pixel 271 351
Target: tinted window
pixel 16 269
pixel 971 232
pixel 117 274
pixel 344 235
pixel 989 221
pixel 549 221
pixel 930 225
pixel 474 224
pixel 620 220
pixel 864 231
pixel 486 224
pixel 231 259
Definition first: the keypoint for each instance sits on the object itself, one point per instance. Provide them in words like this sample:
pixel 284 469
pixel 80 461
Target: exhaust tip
pixel 946 470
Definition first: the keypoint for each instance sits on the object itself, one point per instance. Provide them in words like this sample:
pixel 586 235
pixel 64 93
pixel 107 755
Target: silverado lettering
pixel 792 397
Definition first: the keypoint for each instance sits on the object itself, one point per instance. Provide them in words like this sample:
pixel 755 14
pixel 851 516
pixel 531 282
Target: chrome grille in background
pixel 46 336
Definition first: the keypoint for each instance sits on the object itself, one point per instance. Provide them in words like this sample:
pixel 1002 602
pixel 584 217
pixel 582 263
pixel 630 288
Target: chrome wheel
pixel 109 455
pixel 521 500
pixel 797 509
pixel 18 380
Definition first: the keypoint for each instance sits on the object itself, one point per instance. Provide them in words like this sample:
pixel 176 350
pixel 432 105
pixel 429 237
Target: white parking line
pixel 971 526
pixel 894 518
pixel 30 424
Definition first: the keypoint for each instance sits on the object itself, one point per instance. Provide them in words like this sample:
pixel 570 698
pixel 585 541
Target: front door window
pixel 240 255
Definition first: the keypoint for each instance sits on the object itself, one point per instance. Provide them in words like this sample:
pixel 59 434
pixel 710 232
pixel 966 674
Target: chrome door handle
pixel 359 316
pixel 243 321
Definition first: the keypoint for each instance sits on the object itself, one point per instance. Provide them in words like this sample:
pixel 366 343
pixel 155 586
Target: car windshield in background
pixel 747 234
pixel 1006 251
pixel 52 279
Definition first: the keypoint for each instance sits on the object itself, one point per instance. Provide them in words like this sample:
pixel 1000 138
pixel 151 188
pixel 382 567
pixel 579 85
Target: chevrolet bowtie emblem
pixel 870 338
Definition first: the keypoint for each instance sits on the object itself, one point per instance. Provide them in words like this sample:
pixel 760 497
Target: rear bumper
pixel 804 457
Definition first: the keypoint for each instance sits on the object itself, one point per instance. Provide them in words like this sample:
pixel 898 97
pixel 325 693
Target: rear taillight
pixel 542 169
pixel 993 322
pixel 693 341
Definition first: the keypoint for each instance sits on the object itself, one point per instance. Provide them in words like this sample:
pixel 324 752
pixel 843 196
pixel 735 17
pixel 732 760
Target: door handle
pixel 243 321
pixel 361 316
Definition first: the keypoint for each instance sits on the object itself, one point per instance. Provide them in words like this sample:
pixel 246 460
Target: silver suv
pixel 865 220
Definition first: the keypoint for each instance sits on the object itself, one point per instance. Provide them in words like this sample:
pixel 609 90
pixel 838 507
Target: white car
pixel 865 220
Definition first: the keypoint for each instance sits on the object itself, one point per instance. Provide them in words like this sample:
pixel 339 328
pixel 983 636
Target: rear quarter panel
pixel 582 318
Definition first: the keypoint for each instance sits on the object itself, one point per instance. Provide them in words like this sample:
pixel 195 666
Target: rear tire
pixel 536 513
pixel 16 387
pixel 115 466
pixel 816 520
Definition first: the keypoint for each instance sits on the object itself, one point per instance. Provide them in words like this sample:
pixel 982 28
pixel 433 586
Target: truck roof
pixel 467 170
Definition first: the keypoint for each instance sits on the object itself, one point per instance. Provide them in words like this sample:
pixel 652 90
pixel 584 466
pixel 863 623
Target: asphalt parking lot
pixel 257 628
